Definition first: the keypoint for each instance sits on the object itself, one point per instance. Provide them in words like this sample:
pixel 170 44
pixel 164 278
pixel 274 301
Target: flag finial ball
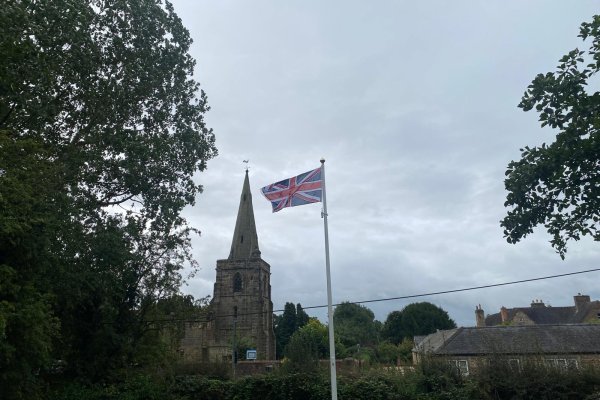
pixel 322 160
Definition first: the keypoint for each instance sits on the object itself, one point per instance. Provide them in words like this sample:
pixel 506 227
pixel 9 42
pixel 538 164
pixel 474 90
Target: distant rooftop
pixel 539 313
pixel 532 339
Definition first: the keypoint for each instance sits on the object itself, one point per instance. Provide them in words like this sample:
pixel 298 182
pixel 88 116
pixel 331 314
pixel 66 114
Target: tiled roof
pixel 547 315
pixel 532 339
pixel 433 342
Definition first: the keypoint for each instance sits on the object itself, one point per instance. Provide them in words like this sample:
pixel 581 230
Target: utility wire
pixel 412 296
pixel 464 289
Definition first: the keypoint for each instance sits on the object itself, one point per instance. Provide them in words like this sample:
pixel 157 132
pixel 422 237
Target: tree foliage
pixel 393 329
pixel 101 133
pixel 415 319
pixel 292 319
pixel 557 185
pixel 355 325
pixel 27 328
pixel 387 352
pixel 165 326
pixel 429 381
pixel 307 346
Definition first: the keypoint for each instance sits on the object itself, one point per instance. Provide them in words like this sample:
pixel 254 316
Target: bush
pixel 293 386
pixel 202 388
pixel 534 380
pixel 141 387
pixel 431 380
pixel 377 385
pixel 436 376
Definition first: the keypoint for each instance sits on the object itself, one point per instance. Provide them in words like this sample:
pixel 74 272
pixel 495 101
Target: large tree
pixel 355 325
pixel 306 346
pixel 558 184
pixel 28 325
pixel 286 324
pixel 392 328
pixel 97 96
pixel 415 319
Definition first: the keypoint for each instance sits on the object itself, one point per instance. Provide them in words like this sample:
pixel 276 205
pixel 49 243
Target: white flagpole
pixel 329 300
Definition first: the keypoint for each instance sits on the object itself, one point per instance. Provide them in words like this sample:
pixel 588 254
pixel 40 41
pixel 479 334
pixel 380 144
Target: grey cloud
pixel 414 107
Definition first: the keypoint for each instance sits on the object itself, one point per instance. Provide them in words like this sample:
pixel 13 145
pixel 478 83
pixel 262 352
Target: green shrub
pixel 292 386
pixel 431 380
pixel 436 376
pixel 534 380
pixel 140 387
pixel 202 388
pixel 377 385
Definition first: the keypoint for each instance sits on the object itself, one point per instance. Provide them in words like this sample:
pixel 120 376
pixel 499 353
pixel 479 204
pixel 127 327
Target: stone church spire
pixel 245 240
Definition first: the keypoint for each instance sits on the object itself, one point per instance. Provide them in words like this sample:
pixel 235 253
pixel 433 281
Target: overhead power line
pixel 412 296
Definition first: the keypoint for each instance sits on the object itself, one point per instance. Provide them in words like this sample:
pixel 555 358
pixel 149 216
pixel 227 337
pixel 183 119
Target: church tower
pixel 242 289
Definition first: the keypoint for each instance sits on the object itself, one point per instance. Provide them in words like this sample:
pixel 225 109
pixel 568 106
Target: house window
pixel 461 365
pixel 237 282
pixel 514 364
pixel 562 363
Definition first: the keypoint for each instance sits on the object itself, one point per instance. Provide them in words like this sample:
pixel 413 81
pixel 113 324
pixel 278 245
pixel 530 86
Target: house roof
pixel 433 342
pixel 548 315
pixel 532 339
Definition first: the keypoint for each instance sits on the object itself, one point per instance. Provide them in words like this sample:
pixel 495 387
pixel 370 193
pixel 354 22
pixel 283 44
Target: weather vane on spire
pixel 246 162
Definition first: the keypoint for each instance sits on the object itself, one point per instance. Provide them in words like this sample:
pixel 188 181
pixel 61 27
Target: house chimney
pixel 504 314
pixel 479 316
pixel 537 303
pixel 580 300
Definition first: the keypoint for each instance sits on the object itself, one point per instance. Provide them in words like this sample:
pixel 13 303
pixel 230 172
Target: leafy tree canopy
pixel 292 319
pixel 307 345
pixel 415 319
pixel 392 327
pixel 557 185
pixel 355 324
pixel 101 132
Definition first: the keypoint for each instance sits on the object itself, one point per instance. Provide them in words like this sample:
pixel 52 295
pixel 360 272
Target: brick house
pixel 563 346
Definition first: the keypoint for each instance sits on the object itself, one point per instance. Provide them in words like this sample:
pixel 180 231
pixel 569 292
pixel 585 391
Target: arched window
pixel 237 282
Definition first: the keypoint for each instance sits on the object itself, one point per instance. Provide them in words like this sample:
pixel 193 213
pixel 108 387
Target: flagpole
pixel 329 299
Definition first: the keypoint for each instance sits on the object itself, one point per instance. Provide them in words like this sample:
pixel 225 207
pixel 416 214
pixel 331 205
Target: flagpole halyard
pixel 329 297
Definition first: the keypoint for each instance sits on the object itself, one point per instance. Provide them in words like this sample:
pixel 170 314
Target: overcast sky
pixel 414 107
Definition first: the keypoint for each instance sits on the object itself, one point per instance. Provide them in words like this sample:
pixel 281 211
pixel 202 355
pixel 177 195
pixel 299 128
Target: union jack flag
pixel 303 189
